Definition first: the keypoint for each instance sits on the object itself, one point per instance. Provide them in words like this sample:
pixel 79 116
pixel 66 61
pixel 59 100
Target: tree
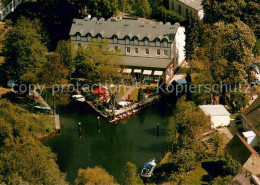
pixel 238 100
pixel 192 35
pixel 221 180
pixel 95 175
pixel 23 51
pixel 217 140
pixel 97 61
pixel 231 166
pixel 141 96
pixel 185 160
pixel 130 176
pixel 53 71
pixel 66 52
pixel 143 8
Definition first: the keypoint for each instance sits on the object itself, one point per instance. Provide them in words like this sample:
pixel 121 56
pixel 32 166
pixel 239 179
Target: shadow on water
pixel 133 140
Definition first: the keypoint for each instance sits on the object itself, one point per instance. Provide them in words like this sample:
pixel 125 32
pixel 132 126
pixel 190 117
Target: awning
pixel 137 71
pixel 127 70
pixel 158 73
pixel 147 72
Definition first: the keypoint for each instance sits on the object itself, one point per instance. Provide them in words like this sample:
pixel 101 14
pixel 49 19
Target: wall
pixel 178 47
pixel 253 164
pixel 220 121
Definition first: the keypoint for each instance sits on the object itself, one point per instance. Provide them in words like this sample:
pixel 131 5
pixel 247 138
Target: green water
pixel 134 140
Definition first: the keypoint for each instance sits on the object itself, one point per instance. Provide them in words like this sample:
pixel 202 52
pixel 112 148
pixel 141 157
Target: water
pixel 133 140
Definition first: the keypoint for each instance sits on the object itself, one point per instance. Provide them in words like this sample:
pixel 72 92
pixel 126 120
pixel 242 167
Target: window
pixel 172 5
pixel 115 39
pixel 136 50
pixel 158 53
pixel 78 36
pixel 116 47
pixel 165 53
pixel 127 40
pixel 99 37
pixel 165 43
pixel 187 13
pixel 128 50
pixel 146 42
pixel 136 42
pixel 157 43
pixel 89 38
pixel 146 51
pixel 180 9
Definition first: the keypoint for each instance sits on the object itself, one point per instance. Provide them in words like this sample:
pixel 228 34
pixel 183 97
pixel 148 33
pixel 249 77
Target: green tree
pixel 95 175
pixel 141 96
pixel 185 160
pixel 130 176
pixel 23 51
pixel 217 141
pixel 67 54
pixel 53 71
pixel 192 36
pixel 238 100
pixel 221 180
pixel 143 8
pixel 231 166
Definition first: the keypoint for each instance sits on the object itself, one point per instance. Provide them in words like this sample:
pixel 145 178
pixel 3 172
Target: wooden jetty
pixel 57 123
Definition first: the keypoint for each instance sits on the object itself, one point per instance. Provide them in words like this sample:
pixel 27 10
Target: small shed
pixel 218 114
pixel 251 138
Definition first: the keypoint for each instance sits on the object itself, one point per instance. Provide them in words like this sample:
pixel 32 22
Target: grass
pixel 4 91
pixel 134 94
pixel 122 90
pixel 196 176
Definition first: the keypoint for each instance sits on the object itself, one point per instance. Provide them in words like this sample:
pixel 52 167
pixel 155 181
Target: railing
pixel 10 8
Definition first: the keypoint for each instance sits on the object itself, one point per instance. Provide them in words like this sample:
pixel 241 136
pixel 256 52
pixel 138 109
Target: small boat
pixel 124 116
pixel 79 98
pixel 148 168
pixel 42 108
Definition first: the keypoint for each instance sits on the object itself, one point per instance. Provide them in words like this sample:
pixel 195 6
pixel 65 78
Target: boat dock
pixel 56 116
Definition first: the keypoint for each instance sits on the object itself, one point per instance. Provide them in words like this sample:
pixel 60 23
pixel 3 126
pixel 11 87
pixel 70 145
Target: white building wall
pixel 220 121
pixel 179 43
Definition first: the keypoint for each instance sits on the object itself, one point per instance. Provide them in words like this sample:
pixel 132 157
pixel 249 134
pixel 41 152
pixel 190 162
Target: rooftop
pixel 195 4
pixel 214 110
pixel 252 115
pixel 123 28
pixel 240 150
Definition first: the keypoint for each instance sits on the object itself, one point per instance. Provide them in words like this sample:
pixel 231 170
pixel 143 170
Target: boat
pixel 42 108
pixel 79 98
pixel 148 168
pixel 124 116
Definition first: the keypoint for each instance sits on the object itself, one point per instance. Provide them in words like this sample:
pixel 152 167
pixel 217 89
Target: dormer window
pixel 146 42
pixel 78 37
pixel 165 43
pixel 127 40
pixel 89 37
pixel 99 37
pixel 136 42
pixel 115 39
pixel 157 43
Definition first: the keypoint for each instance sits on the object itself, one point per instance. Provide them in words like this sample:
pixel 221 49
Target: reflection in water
pixel 133 140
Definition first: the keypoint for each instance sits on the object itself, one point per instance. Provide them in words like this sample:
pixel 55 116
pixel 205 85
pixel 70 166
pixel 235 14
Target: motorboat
pixel 148 168
pixel 79 98
pixel 42 108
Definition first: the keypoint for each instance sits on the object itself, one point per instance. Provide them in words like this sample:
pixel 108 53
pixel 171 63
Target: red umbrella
pixel 105 97
pixel 99 90
pixel 148 90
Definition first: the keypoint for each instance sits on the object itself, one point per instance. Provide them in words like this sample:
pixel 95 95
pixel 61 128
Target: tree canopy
pixel 130 176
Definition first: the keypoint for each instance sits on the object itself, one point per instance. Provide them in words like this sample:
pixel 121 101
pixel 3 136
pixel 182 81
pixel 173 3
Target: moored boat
pixel 79 98
pixel 148 168
pixel 42 108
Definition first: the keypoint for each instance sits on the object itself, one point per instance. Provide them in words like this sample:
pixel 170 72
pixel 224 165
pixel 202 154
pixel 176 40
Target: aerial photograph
pixel 130 92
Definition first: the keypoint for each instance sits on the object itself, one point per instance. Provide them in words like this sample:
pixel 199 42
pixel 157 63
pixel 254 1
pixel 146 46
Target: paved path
pixel 129 91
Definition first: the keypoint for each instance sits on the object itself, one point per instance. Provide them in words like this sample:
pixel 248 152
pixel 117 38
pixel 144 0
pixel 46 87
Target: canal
pixel 134 140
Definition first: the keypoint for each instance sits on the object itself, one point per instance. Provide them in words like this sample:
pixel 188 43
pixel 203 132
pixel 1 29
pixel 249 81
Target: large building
pixel 149 50
pixel 184 7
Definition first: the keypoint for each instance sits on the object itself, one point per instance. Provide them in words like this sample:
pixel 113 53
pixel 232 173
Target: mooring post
pixel 98 123
pixel 157 129
pixel 79 128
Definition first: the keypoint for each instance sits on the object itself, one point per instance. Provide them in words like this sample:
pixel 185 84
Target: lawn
pixel 196 176
pixel 4 91
pixel 134 94
pixel 122 90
